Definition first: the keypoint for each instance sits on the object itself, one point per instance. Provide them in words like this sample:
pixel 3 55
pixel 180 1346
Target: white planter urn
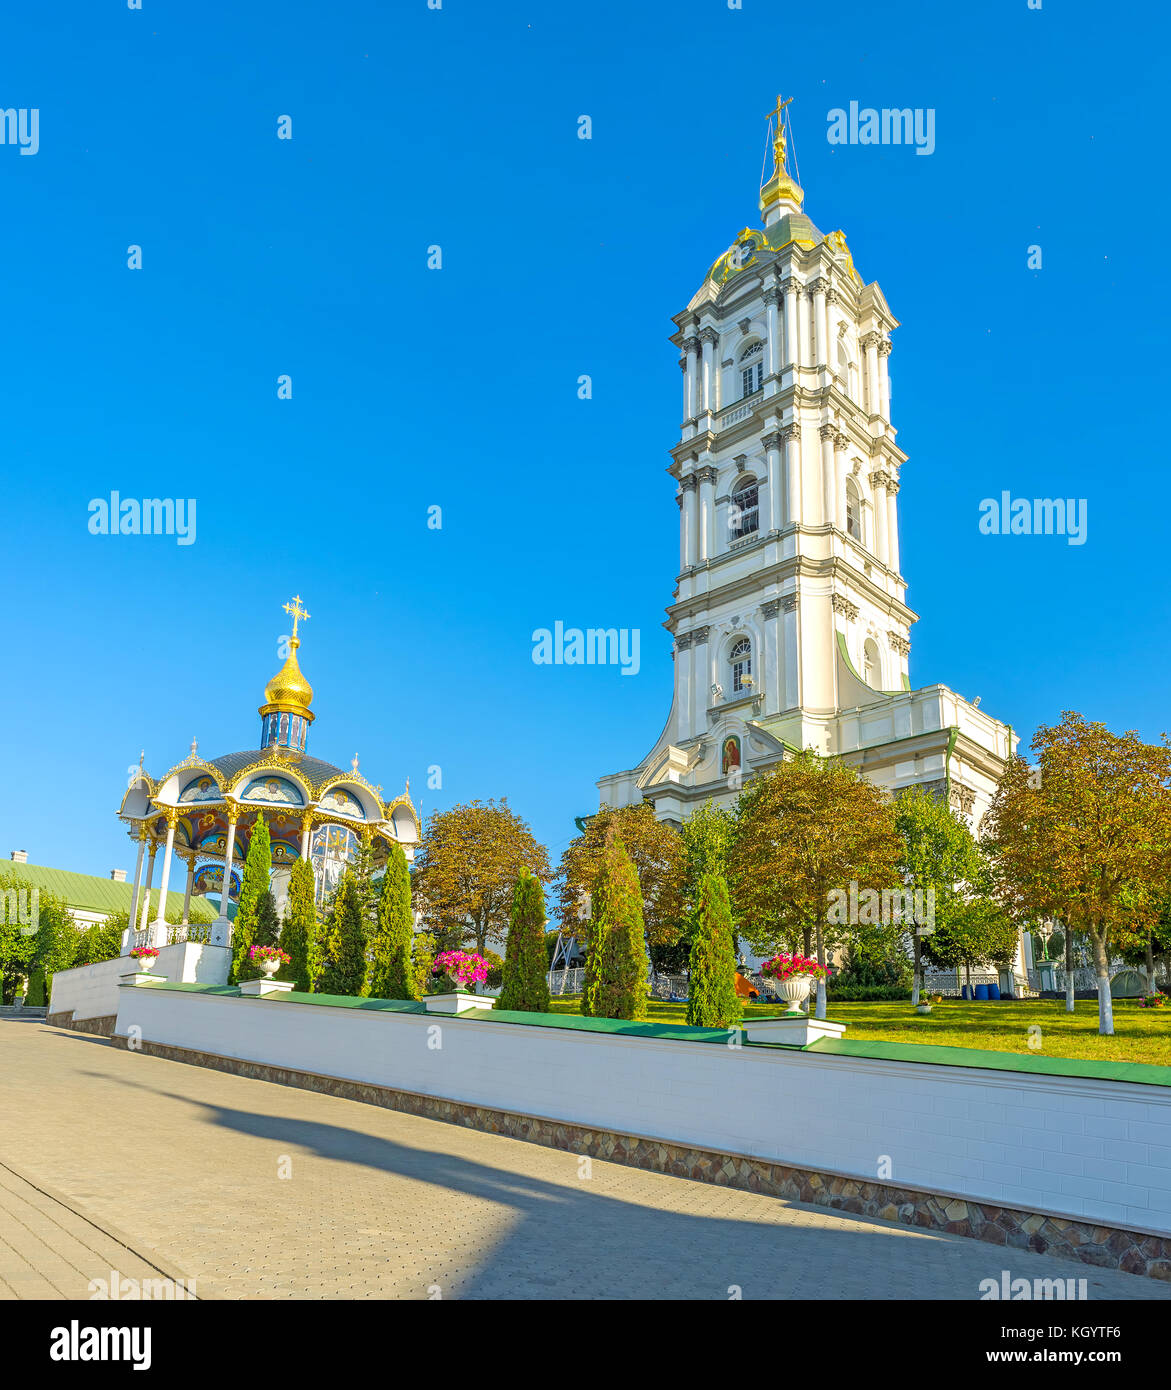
pixel 270 967
pixel 795 991
pixel 144 964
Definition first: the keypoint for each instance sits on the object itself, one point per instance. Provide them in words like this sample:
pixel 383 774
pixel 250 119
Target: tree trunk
pixel 819 1011
pixel 1105 1003
pixel 1069 1002
pixel 916 977
pixel 1150 965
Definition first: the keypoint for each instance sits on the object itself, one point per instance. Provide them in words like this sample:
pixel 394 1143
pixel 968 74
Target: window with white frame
pixel 744 509
pixel 752 368
pixel 740 658
pixel 871 671
pixel 853 510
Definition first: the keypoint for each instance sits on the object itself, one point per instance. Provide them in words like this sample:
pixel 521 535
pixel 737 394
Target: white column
pixel 884 378
pixel 691 379
pixel 701 678
pixel 792 289
pixel 878 483
pixel 132 916
pixel 772 454
pixel 791 438
pixel 708 337
pixel 683 685
pixel 828 475
pixel 150 874
pixel 892 525
pixel 187 893
pixel 772 315
pixel 690 539
pixel 306 831
pixel 770 665
pixel 831 342
pixel 870 343
pixel 160 922
pixel 707 513
pixel 820 342
pixel 803 308
pixel 221 932
pixel 841 443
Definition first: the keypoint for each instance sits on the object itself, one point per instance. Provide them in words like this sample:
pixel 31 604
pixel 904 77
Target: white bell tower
pixel 790 618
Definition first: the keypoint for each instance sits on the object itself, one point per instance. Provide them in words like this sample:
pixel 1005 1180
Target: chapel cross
pixel 779 138
pixel 297 612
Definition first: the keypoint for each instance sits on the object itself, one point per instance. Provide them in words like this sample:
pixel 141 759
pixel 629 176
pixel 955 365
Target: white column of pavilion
pixel 132 917
pixel 221 929
pixel 159 933
pixel 144 917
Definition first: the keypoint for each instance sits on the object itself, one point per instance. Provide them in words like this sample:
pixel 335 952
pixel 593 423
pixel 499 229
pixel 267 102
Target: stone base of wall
pixel 1111 1247
pixel 102 1027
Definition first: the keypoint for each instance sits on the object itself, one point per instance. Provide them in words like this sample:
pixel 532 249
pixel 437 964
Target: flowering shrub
pixel 262 955
pixel 786 967
pixel 1152 1001
pixel 464 967
pixel 144 952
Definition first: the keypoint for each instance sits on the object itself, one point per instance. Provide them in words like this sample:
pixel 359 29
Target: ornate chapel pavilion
pixel 205 809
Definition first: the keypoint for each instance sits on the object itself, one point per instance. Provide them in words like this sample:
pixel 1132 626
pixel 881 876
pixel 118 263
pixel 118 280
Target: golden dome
pixel 288 689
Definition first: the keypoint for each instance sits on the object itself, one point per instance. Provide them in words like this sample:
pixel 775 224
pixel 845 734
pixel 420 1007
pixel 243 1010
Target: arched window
pixel 752 368
pixel 844 366
pixel 740 658
pixel 744 510
pixel 871 673
pixel 853 510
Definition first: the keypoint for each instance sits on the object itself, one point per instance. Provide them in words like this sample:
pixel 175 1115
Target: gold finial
pixel 779 136
pixel 298 613
pixel 354 763
pixel 194 746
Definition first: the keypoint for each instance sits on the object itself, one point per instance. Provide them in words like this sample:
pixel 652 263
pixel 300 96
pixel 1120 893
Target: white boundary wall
pixel 1090 1150
pixel 91 991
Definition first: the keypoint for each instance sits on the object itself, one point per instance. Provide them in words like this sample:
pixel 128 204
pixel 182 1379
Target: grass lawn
pixel 1141 1035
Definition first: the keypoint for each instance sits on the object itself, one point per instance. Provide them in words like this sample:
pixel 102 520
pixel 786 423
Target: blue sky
pixel 457 387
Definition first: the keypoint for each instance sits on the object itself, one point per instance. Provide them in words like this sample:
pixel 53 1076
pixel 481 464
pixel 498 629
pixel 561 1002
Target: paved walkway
pixel 263 1191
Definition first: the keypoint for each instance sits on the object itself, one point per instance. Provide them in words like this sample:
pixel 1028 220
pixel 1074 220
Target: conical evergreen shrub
pixel 526 981
pixel 615 984
pixel 254 883
pixel 298 927
pixel 344 968
pixel 392 974
pixel 712 999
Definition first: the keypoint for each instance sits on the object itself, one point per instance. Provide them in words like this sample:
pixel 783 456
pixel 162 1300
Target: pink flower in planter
pixel 465 967
pixel 259 955
pixel 144 953
pixel 786 967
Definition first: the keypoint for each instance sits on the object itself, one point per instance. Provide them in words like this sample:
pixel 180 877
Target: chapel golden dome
pixel 288 689
pixel 289 692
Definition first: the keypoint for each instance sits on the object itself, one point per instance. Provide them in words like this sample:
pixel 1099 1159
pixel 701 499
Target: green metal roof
pixel 88 893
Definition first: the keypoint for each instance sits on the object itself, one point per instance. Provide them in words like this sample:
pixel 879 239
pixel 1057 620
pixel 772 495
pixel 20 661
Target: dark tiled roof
pixel 314 771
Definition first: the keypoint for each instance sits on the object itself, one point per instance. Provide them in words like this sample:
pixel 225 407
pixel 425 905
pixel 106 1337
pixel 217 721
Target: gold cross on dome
pixel 298 613
pixel 780 106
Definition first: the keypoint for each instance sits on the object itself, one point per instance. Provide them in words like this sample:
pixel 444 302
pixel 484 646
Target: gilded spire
pixel 781 193
pixel 289 691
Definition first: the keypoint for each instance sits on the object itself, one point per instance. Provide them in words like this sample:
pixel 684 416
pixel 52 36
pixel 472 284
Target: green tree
pixel 975 931
pixel 344 967
pixel 1085 837
pixel 299 926
pixel 424 949
pixel 267 929
pixel 615 975
pixel 808 828
pixel 465 869
pixel 712 1000
pixel 938 854
pixel 254 883
pixel 101 941
pixel 526 981
pixel 392 974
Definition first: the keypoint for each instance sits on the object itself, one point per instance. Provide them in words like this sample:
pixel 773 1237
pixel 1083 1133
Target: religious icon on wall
pixel 731 755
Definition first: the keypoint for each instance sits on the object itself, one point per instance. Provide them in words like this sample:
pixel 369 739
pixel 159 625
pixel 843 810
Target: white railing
pixel 566 981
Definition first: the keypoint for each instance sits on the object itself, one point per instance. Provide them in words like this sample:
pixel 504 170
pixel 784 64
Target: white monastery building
pixel 790 618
